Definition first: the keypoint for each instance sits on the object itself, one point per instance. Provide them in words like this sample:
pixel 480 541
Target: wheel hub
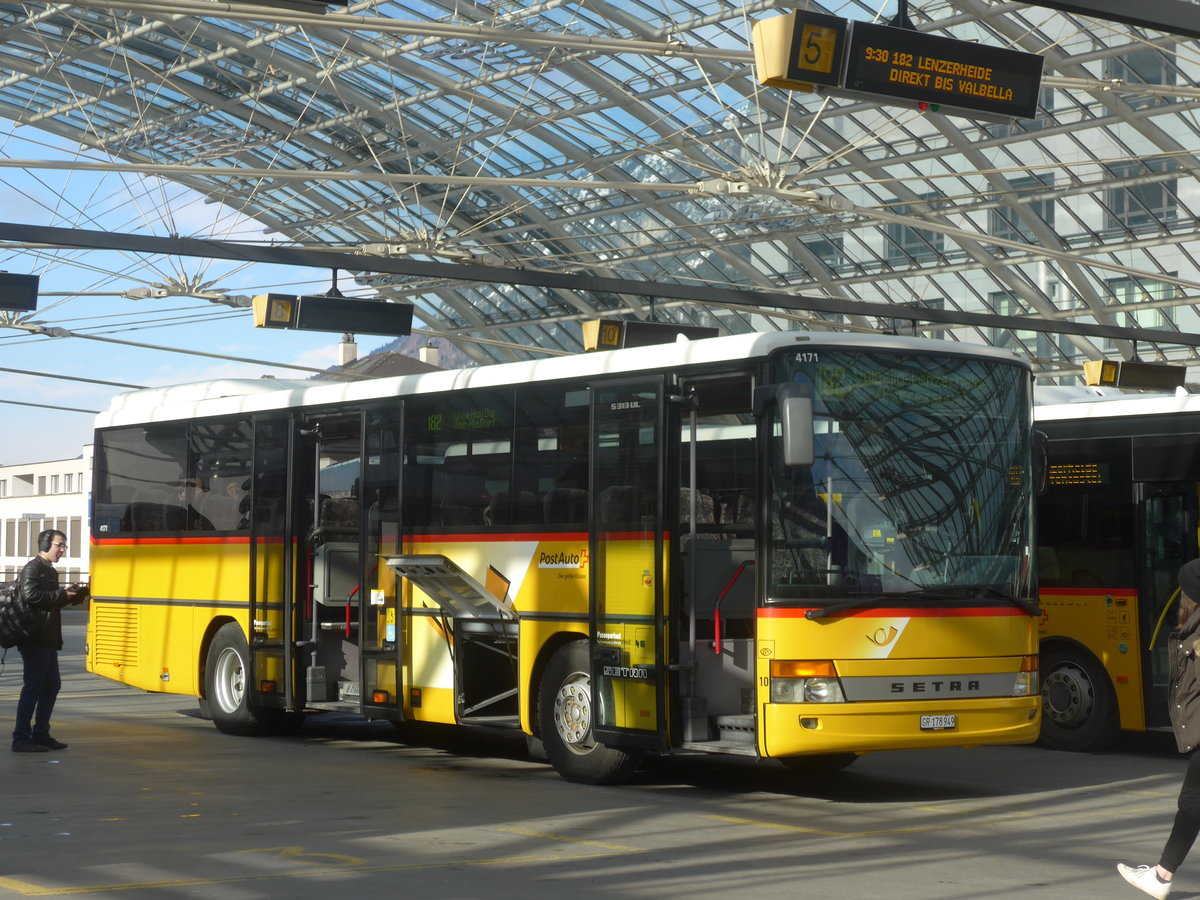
pixel 573 714
pixel 230 682
pixel 1068 698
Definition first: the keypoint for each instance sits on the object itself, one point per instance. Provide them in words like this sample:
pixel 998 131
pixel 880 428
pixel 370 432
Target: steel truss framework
pixel 603 143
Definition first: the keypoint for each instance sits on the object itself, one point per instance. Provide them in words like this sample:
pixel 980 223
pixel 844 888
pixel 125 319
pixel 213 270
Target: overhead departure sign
pixel 808 51
pixel 315 313
pixel 18 293
pixel 957 76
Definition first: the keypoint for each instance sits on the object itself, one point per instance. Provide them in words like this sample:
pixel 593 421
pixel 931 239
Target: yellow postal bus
pixel 1117 520
pixel 796 546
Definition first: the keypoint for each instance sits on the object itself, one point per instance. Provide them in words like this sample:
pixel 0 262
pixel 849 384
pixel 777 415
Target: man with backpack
pixel 38 589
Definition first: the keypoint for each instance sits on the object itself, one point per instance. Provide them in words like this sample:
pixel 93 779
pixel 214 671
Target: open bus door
pixel 629 466
pixel 347 635
pixel 275 577
pixel 1167 528
pixel 329 538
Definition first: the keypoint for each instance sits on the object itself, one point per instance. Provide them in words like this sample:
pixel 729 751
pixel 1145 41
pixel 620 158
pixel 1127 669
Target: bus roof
pixel 1089 403
pixel 232 396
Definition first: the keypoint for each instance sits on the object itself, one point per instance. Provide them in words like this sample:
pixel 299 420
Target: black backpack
pixel 18 620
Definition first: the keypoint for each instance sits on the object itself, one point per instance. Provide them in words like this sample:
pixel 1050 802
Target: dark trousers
pixel 38 693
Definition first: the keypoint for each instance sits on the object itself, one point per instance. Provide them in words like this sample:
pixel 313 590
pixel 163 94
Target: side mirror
pixel 796 422
pixel 1041 462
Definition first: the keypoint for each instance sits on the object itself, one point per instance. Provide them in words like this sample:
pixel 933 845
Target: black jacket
pixel 39 588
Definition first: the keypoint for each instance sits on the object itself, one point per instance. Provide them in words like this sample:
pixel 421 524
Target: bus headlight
pixel 805 681
pixel 1027 683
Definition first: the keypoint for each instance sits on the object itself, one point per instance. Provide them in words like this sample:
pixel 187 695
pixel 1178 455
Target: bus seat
pixel 144 515
pixel 744 510
pixel 464 500
pixel 339 517
pixel 618 505
pixel 706 515
pixel 565 506
pixel 706 510
pixel 504 509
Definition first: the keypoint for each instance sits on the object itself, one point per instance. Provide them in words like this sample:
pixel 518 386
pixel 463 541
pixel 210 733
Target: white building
pixel 35 496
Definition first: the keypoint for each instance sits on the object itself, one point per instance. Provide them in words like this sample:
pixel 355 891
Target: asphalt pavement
pixel 151 800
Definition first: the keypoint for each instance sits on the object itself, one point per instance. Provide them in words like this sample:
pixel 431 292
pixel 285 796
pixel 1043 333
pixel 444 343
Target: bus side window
pixel 139 471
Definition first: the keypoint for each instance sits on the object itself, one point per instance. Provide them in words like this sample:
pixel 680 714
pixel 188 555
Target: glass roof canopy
pixel 630 140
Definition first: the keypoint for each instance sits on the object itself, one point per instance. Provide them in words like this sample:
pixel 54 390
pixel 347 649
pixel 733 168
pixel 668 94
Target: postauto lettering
pixel 560 560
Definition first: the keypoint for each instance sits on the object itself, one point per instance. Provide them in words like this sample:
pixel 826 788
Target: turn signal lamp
pixel 1027 683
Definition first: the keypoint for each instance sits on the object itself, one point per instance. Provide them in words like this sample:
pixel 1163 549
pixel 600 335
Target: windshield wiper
pixel 846 605
pixel 1030 606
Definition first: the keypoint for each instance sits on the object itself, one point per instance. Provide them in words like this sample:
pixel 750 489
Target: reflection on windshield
pixel 920 479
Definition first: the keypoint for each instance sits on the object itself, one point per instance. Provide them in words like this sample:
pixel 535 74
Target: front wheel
pixel 1078 711
pixel 225 675
pixel 566 716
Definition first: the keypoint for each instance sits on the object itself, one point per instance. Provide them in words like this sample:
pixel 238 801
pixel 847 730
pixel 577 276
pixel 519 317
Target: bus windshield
pixel 919 485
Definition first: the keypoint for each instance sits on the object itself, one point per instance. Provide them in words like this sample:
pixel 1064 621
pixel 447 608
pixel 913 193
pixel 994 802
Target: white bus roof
pixel 245 396
pixel 1089 403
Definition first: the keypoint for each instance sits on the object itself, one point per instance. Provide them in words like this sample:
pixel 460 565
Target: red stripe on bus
pixel 165 541
pixel 480 538
pixel 1087 592
pixel 470 538
pixel 914 612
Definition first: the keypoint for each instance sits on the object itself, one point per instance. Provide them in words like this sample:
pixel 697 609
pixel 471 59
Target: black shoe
pixel 50 743
pixel 30 748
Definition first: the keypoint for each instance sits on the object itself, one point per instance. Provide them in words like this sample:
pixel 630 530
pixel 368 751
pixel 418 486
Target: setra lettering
pixel 935 687
pixel 626 672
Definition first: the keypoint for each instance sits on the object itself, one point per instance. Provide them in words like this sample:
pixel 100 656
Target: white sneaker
pixel 1145 878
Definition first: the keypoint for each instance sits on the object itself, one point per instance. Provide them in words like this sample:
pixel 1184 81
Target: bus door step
pixel 492 721
pixel 734 735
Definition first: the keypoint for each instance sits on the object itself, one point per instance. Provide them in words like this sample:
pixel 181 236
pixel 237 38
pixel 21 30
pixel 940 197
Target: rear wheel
pixel 1078 711
pixel 566 716
pixel 225 676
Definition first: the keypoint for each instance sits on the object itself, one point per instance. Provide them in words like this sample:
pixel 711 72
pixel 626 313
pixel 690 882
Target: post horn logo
pixel 883 636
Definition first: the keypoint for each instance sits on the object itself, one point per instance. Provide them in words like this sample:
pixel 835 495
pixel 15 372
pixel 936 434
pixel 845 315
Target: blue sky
pixel 82 290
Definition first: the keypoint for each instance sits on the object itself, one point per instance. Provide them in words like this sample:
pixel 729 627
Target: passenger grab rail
pixel 737 573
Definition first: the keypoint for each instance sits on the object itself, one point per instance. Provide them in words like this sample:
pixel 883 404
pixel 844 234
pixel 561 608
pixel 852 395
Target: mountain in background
pixel 450 356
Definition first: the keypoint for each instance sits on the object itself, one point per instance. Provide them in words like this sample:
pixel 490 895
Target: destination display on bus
pixel 1073 473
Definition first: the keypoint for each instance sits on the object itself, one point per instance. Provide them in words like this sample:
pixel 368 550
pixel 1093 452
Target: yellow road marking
pixel 824 832
pixel 570 840
pixel 301 855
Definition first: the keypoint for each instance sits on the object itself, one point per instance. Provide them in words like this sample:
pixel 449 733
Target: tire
pixel 1078 709
pixel 819 764
pixel 565 717
pixel 225 686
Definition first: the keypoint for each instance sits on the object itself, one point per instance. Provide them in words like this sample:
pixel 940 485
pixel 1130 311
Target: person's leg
pixel 51 684
pixel 34 660
pixel 1187 821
